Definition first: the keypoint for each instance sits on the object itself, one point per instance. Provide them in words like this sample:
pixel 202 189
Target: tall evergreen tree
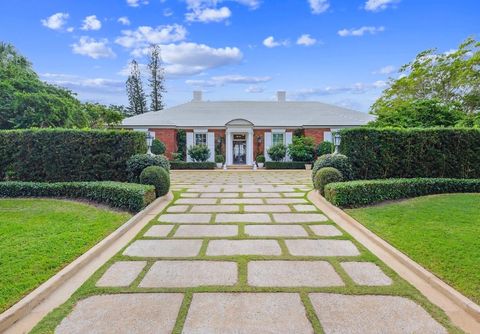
pixel 136 95
pixel 156 80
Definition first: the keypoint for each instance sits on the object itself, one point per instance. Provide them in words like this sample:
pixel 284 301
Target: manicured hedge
pixel 361 193
pixel 128 196
pixel 285 164
pixel 58 155
pixel 192 165
pixel 399 153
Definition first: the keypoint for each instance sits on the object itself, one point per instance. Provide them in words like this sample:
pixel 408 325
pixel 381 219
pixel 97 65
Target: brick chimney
pixel 281 96
pixel 197 96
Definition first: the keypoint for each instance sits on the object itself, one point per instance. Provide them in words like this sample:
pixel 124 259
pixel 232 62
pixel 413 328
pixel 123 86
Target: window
pixel 200 139
pixel 277 138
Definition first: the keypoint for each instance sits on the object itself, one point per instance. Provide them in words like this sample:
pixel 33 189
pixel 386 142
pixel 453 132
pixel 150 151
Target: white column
pixel 250 147
pixel 228 148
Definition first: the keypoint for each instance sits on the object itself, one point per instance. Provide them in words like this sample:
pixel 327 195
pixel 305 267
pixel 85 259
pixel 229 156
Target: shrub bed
pixel 285 164
pixel 137 163
pixel 337 161
pixel 361 193
pixel 402 153
pixel 191 165
pixel 127 196
pixel 59 155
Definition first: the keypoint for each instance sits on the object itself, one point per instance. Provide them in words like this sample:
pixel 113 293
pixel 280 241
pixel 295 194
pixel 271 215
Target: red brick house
pixel 244 129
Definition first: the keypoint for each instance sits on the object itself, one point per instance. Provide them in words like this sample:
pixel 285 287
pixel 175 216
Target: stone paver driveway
pixel 246 252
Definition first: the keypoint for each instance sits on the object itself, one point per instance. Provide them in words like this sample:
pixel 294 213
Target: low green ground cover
pixel 440 232
pixel 38 237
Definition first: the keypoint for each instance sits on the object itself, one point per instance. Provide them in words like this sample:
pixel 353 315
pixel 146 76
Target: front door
pixel 239 149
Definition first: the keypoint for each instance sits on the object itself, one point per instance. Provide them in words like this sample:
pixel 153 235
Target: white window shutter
pixel 288 141
pixel 211 145
pixel 268 144
pixel 189 143
pixel 327 136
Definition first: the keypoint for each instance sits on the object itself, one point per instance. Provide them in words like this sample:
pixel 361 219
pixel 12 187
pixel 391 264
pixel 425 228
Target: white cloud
pixel 357 88
pixel 92 48
pixel 143 36
pixel 167 12
pixel 389 69
pixel 91 23
pixel 306 40
pixel 270 42
pixel 70 29
pixel 208 15
pixel 124 20
pixel 56 21
pixel 137 3
pixel 228 79
pixel 192 58
pixel 254 89
pixel 319 6
pixel 360 31
pixel 379 5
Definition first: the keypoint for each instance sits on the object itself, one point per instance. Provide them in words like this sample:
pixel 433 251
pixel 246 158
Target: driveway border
pixel 463 312
pixel 26 313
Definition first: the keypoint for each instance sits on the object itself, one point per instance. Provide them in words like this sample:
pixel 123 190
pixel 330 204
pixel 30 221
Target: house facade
pixel 241 130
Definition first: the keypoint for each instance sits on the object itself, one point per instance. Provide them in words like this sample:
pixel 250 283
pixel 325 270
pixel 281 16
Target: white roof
pixel 259 113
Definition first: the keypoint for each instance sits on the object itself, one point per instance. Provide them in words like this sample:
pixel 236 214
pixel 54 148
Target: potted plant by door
pixel 219 159
pixel 260 161
pixel 308 166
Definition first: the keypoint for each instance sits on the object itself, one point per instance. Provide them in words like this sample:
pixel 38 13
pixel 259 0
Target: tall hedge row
pixel 67 155
pixel 408 153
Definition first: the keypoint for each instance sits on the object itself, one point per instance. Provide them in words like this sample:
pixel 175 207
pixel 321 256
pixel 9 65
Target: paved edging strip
pixel 463 312
pixel 22 308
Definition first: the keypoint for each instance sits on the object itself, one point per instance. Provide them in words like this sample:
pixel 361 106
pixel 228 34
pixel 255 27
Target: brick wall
pixel 317 134
pixel 169 138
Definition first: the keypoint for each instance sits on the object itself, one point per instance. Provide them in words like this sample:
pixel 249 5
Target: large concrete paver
pixel 366 273
pixel 185 218
pixel 325 230
pixel 242 218
pixel 201 201
pixel 246 313
pixel 215 208
pixel 372 314
pixel 198 231
pixel 275 231
pixel 121 273
pixel 292 274
pixel 158 231
pixel 301 247
pixel 243 247
pixel 170 274
pixel 293 218
pixel 164 248
pixel 154 313
pixel 267 208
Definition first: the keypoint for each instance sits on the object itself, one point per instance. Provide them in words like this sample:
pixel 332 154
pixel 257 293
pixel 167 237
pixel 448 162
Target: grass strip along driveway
pixel 38 237
pixel 441 232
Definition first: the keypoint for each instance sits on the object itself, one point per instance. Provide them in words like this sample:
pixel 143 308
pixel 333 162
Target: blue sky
pixel 339 52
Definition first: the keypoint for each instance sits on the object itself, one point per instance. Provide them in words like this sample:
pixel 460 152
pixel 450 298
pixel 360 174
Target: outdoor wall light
pixel 149 138
pixel 259 139
pixel 337 139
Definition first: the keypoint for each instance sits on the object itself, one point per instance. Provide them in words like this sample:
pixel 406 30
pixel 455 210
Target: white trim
pixel 200 130
pixel 189 143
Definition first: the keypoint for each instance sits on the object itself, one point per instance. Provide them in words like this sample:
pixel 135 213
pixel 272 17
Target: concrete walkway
pixel 246 252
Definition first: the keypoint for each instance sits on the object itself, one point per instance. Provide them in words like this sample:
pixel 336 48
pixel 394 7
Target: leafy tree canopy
pixel 450 80
pixel 26 101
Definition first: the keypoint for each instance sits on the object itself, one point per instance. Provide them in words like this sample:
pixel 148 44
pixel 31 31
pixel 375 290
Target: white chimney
pixel 197 95
pixel 281 96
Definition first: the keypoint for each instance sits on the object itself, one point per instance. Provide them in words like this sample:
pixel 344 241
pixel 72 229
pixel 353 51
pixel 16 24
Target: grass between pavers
pixel 399 286
pixel 441 232
pixel 38 237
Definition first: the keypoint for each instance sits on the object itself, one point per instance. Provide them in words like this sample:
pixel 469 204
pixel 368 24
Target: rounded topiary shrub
pixel 137 163
pixel 260 158
pixel 338 161
pixel 277 152
pixel 325 176
pixel 219 159
pixel 199 153
pixel 157 177
pixel 324 147
pixel 158 147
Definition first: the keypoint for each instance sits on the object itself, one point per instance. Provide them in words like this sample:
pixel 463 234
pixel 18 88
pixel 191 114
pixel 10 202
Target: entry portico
pixel 242 130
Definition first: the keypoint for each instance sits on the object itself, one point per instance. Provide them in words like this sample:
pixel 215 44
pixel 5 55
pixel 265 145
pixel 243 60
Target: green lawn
pixel 441 232
pixel 38 237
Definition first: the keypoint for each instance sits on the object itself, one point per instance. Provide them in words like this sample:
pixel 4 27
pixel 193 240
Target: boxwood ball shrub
pixel 219 159
pixel 325 176
pixel 260 158
pixel 59 155
pixel 324 147
pixel 365 192
pixel 158 147
pixel 338 161
pixel 199 153
pixel 408 153
pixel 137 163
pixel 302 149
pixel 277 152
pixel 128 196
pixel 157 177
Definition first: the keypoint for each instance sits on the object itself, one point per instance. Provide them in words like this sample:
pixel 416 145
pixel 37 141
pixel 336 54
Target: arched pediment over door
pixel 239 122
